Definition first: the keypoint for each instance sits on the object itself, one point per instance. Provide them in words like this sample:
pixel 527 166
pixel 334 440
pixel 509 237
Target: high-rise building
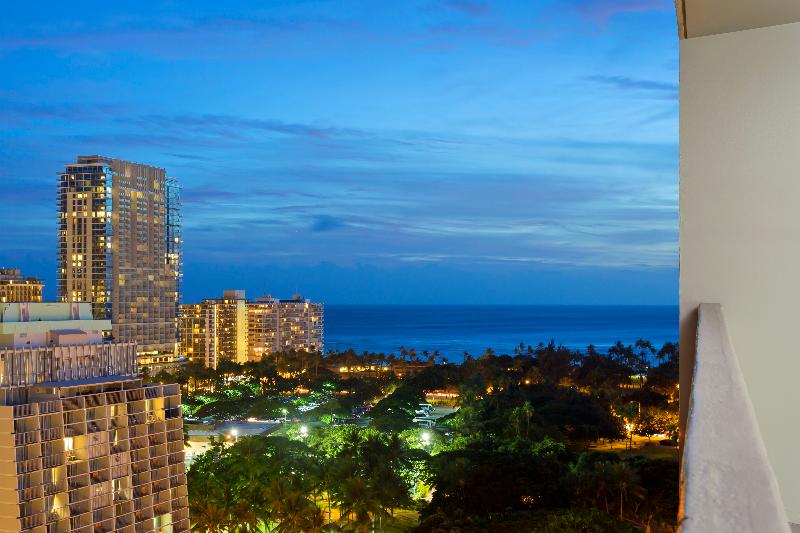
pixel 229 319
pixel 119 249
pixel 233 328
pixel 280 325
pixel 14 287
pixel 263 323
pixel 84 445
pixel 215 329
pixel 196 334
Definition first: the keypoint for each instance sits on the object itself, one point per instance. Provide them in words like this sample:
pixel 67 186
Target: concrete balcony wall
pixel 727 481
pixel 740 222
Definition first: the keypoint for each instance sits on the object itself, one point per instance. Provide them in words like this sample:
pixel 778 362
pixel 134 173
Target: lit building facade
pixel 229 326
pixel 233 328
pixel 214 329
pixel 84 445
pixel 196 334
pixel 14 287
pixel 119 249
pixel 282 325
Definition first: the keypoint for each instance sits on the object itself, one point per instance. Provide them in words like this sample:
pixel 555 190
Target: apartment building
pixel 14 287
pixel 235 329
pixel 215 329
pixel 84 445
pixel 229 326
pixel 196 334
pixel 279 325
pixel 119 249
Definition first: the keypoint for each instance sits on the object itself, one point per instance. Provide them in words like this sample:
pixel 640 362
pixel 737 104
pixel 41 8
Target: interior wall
pixel 740 220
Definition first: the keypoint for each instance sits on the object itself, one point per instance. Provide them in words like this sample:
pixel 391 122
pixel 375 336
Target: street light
pixel 234 434
pixel 426 439
pixel 304 432
pixel 285 412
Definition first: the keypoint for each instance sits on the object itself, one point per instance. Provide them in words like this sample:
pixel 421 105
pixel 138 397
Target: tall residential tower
pixel 119 249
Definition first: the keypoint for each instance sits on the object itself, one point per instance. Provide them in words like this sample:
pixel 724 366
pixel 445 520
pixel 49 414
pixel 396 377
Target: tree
pixel 555 363
pixel 208 515
pixel 313 520
pixel 359 504
pixel 293 512
pixel 626 482
pixel 521 417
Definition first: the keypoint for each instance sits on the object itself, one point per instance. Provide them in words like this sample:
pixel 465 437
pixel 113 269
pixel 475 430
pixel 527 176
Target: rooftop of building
pixel 100 380
pixel 239 295
pixel 45 311
pixel 14 275
pixel 43 317
pixel 102 160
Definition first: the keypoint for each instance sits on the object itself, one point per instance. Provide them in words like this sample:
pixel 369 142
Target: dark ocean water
pixel 454 329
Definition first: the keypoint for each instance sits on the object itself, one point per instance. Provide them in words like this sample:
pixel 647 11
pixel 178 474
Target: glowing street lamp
pixel 235 434
pixel 304 432
pixel 426 439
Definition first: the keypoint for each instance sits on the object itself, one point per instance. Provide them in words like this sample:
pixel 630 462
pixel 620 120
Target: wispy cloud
pixel 174 36
pixel 205 195
pixel 657 88
pixel 24 111
pixel 470 7
pixel 600 12
pixel 230 126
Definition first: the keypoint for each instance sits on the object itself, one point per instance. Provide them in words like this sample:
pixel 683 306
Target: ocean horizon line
pixel 491 305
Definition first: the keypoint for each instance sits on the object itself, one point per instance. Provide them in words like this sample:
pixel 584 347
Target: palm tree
pixel 358 504
pixel 249 453
pixel 313 519
pixel 626 481
pixel 316 360
pixel 208 516
pixel 521 414
pixel 293 513
pixel 245 517
pixel 603 483
pixel 275 494
pixel 403 352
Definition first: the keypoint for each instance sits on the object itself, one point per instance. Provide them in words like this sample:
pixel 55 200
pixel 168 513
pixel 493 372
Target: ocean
pixel 454 329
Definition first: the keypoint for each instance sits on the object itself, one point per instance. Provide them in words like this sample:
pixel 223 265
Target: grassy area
pixel 641 446
pixel 651 452
pixel 403 520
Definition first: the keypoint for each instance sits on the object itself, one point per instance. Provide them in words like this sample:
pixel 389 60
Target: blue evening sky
pixel 414 151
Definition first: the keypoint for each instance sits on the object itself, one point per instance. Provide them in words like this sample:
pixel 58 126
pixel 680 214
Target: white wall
pixel 740 220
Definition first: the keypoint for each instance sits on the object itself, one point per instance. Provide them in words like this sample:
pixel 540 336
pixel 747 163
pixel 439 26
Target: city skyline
pixel 454 152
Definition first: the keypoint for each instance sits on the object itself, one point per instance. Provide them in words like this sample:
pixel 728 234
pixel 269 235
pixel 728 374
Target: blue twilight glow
pixel 364 151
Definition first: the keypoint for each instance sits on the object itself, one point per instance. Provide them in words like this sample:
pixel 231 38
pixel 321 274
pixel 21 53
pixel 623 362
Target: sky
pixel 423 151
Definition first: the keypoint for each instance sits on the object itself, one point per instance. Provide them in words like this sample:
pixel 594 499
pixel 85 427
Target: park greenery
pixel 534 440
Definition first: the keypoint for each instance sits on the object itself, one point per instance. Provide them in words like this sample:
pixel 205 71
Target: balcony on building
pixel 739 261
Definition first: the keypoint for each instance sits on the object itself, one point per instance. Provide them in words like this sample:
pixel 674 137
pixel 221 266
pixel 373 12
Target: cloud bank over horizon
pixel 431 151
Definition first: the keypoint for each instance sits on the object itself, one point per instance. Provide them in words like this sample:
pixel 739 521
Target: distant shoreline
pixel 453 329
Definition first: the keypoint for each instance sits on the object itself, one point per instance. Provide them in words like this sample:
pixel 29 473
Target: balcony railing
pixel 726 479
